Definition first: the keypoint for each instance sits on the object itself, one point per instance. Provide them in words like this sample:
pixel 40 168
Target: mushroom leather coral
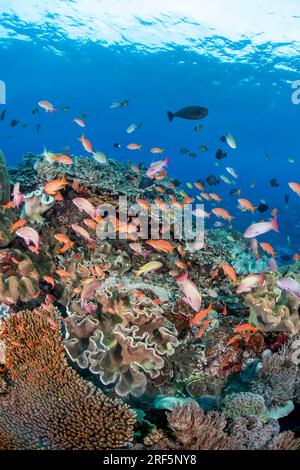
pixel 20 281
pixel 47 405
pixel 128 341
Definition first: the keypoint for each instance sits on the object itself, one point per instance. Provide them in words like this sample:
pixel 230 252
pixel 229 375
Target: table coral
pixel 47 405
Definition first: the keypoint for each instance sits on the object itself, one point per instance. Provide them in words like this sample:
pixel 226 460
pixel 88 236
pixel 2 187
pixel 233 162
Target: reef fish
pixel 223 213
pixel 262 227
pixel 17 195
pixel 54 186
pixel 87 145
pixel 290 285
pixel 85 206
pixel 250 282
pixel 192 296
pixel 295 187
pixel 156 167
pixel 79 122
pixel 161 245
pixel 133 127
pixel 30 235
pixel 247 205
pixel 189 112
pixel 48 107
pixel 151 266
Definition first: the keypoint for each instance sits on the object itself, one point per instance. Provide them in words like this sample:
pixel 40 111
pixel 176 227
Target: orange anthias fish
pixel 64 159
pixel 268 249
pixel 205 196
pixel 247 205
pixel 200 315
pixel 214 274
pixel 274 212
pixel 199 186
pixel 87 145
pixel 156 150
pixel 215 197
pixel 295 187
pixel 161 245
pixel 296 257
pixel 223 213
pixel 203 328
pixel 8 205
pixel 80 122
pixel 245 327
pixel 48 107
pixel 20 223
pixel 188 200
pixel 56 185
pixel 229 271
pixel 49 280
pixel 134 146
pixel 144 204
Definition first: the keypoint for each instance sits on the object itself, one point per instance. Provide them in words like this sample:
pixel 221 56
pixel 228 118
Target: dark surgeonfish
pixel 220 154
pixel 3 112
pixel 274 183
pixel 190 112
pixel 262 207
pixel 212 180
pixel 14 122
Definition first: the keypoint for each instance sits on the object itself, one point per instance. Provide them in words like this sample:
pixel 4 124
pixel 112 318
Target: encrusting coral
pixel 46 404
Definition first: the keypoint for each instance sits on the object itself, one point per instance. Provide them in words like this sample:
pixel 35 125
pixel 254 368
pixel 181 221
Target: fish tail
pixel 170 116
pixel 137 273
pixel 275 225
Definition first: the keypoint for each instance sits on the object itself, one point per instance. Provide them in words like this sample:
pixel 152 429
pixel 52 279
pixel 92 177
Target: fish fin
pixel 183 277
pixel 275 225
pixel 170 116
pixel 167 161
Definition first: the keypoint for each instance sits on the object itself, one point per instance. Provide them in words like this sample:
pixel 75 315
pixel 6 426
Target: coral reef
pixel 47 405
pixel 124 343
pixel 244 405
pixel 272 309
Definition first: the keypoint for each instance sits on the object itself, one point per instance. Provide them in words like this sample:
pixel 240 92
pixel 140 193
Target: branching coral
pixel 252 433
pixel 49 406
pixel 271 309
pixel 277 378
pixel 243 405
pixel 127 341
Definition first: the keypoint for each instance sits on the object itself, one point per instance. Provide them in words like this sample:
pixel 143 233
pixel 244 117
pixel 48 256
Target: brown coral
pixel 274 310
pixel 49 406
pixel 126 341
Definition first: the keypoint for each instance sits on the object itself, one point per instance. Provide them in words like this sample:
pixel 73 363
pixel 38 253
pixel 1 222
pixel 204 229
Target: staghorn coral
pixel 4 180
pixel 271 309
pixel 277 378
pixel 126 341
pixel 48 406
pixel 19 278
pixel 244 405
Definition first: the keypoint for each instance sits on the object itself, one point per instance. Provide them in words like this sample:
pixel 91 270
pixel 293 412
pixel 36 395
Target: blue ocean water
pixel 162 56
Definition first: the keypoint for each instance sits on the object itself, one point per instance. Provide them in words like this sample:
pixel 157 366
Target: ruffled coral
pixel 127 341
pixel 48 406
pixel 19 278
pixel 271 309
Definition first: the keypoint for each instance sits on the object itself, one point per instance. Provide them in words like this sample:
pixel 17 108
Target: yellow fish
pixel 151 266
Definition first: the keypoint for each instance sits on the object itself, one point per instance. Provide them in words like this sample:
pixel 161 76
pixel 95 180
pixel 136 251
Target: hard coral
pixel 48 406
pixel 245 404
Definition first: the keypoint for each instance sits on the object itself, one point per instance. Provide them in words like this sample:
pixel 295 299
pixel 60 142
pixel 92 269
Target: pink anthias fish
pixel 250 282
pixel 86 206
pixel 201 213
pixel 82 232
pixel 272 265
pixel 156 167
pixel 262 227
pixel 290 285
pixel 87 293
pixel 30 235
pixel 191 294
pixel 48 107
pixel 17 195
